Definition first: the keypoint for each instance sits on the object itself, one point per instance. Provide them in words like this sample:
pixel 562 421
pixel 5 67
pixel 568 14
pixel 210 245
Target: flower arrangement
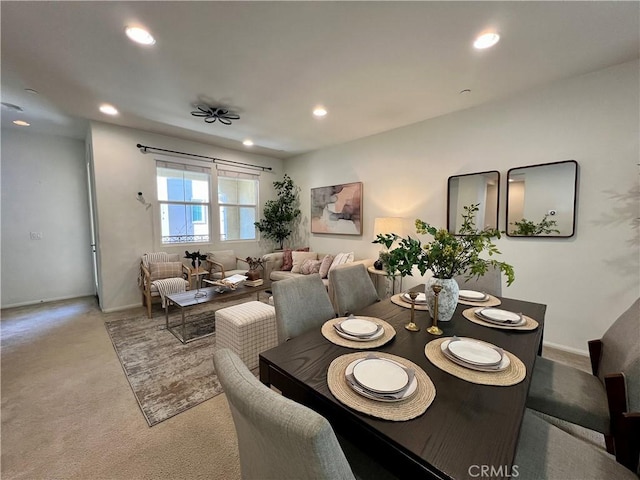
pixel 447 255
pixel 528 228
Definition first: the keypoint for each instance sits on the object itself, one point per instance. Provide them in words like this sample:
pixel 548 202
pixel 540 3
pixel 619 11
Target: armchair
pixel 224 263
pixel 160 266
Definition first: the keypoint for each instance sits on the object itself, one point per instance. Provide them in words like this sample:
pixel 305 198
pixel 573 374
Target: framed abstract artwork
pixel 337 209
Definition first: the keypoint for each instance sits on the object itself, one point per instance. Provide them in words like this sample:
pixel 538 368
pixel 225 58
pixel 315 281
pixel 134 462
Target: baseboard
pixel 125 307
pixel 45 300
pixel 564 348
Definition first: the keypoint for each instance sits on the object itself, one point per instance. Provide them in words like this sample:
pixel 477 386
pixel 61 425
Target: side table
pixel 385 286
pixel 196 275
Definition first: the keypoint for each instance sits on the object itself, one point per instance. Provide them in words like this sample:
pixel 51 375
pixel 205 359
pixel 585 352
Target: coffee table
pixel 191 298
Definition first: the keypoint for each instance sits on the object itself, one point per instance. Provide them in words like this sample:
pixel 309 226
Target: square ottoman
pixel 247 329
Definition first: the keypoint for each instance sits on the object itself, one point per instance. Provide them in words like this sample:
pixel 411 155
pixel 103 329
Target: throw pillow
pixel 299 258
pixel 158 271
pixel 287 259
pixel 341 259
pixel 310 266
pixel 325 266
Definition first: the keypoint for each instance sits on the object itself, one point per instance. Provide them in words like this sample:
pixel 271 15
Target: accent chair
pixel 599 401
pixel 281 439
pixel 301 303
pixel 353 289
pixel 159 266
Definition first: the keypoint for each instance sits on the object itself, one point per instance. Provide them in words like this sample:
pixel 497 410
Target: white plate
pixel 380 375
pixel 408 393
pixel 472 295
pixel 421 298
pixel 474 352
pixel 375 336
pixel 358 326
pixel 504 364
pixel 498 315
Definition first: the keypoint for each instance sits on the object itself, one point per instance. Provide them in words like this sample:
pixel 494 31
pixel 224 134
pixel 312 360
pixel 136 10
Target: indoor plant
pixel 279 215
pixel 447 255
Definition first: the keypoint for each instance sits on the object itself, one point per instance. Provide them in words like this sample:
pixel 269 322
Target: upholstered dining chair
pixel 301 303
pixel 353 289
pixel 595 401
pixel 281 439
pixel 490 282
pixel 164 266
pixel 547 452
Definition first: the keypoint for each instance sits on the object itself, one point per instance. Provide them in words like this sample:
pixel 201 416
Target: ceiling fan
pixel 211 114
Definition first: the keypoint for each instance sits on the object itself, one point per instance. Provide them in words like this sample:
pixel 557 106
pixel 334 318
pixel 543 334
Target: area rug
pixel 166 376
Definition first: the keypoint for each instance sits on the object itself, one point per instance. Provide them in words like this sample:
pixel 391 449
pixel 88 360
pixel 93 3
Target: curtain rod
pixel 221 161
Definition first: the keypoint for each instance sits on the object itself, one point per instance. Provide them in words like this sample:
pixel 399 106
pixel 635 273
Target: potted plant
pixel 280 214
pixel 529 228
pixel 254 264
pixel 447 255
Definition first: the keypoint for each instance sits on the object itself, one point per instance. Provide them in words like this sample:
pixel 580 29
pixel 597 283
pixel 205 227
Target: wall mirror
pixel 541 200
pixel 482 188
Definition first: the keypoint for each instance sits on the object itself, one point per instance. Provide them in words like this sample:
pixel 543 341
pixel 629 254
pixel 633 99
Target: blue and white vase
pixel 447 298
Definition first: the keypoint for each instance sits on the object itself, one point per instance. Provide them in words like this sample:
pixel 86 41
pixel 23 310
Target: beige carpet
pixel 68 412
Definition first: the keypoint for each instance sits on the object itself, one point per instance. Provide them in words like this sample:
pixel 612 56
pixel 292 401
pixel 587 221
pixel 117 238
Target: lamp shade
pixel 383 225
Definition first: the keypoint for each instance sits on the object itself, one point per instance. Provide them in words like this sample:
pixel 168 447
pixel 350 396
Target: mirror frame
pixel 496 172
pixel 574 206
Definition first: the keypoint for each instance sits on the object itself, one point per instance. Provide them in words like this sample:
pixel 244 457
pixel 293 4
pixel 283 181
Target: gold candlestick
pixel 433 329
pixel 411 326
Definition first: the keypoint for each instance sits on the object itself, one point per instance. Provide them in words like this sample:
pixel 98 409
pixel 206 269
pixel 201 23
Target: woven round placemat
pixel 490 302
pixel 400 411
pixel 398 300
pixel 329 332
pixel 530 324
pixel 514 374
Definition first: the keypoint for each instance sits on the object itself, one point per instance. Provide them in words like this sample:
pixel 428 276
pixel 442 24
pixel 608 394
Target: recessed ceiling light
pixel 140 35
pixel 466 91
pixel 247 143
pixel 11 106
pixel 22 123
pixel 319 111
pixel 486 40
pixel 108 109
pixel 31 90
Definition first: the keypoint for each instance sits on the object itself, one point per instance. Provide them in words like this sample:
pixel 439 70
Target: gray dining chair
pixel 595 401
pixel 490 282
pixel 545 452
pixel 281 439
pixel 353 289
pixel 301 304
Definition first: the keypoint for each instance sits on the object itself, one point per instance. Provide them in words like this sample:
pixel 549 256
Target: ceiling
pixel 375 66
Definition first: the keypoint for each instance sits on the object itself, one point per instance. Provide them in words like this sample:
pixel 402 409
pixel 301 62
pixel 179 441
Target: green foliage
pixel 528 228
pixel 279 215
pixel 447 254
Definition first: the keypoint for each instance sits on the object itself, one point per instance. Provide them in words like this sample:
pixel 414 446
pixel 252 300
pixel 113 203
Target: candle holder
pixel 411 326
pixel 433 329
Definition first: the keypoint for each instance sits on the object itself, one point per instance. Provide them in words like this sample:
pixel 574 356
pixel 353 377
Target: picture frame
pixel 337 209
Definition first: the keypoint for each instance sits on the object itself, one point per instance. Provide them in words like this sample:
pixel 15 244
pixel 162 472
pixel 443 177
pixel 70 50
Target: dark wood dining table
pixel 468 429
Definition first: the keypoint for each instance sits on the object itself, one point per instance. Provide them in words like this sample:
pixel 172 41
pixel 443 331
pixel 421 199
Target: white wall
pixel 44 189
pixel 126 228
pixel 586 281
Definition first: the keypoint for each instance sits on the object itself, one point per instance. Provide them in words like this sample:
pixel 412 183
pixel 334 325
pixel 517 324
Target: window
pixel 237 200
pixel 183 196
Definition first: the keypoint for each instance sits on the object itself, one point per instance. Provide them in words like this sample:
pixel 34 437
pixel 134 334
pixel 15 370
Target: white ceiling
pixel 376 66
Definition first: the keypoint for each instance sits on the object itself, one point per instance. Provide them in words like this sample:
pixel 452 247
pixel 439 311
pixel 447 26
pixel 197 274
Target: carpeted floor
pixel 166 376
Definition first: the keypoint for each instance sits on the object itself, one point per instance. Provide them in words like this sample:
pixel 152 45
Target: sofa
pixel 274 263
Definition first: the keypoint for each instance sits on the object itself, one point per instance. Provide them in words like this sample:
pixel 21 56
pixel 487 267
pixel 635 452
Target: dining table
pixel 469 430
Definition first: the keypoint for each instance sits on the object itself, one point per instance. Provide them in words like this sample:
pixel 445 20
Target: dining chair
pixel 281 439
pixel 547 452
pixel 490 282
pixel 302 303
pixel 353 289
pixel 595 401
